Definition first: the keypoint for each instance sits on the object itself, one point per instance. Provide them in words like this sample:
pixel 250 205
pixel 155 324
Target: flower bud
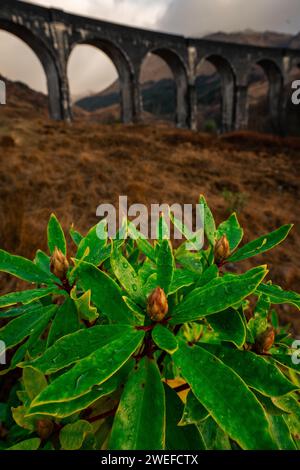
pixel 265 341
pixel 222 249
pixel 59 264
pixel 157 306
pixel 44 428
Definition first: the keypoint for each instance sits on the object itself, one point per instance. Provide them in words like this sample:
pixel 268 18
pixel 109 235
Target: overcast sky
pixel 91 71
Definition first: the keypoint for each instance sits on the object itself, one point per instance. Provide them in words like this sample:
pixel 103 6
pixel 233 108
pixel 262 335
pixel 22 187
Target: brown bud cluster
pixel 265 341
pixel 157 306
pixel 59 264
pixel 44 428
pixel 222 249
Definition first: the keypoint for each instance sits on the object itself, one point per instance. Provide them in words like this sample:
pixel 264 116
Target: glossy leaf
pixel 209 221
pixel 278 295
pixel 19 328
pixel 105 293
pixel 76 346
pixel 56 236
pixel 24 269
pixel 164 339
pixel 217 296
pixel 65 322
pixel 76 236
pixel 139 422
pixel 94 244
pixel 127 276
pixel 213 436
pixel 72 435
pixel 92 370
pixel 261 245
pixel 34 382
pixel 68 408
pixel 255 370
pixel 228 326
pixel 143 245
pixel 221 391
pixel 165 265
pixel 26 296
pixel 83 305
pixel 194 412
pixel 179 437
pixel 233 231
pixel 181 278
pixel 281 433
pixel 28 444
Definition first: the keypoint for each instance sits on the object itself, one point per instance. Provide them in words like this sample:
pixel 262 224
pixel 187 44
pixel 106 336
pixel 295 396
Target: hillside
pixel 71 169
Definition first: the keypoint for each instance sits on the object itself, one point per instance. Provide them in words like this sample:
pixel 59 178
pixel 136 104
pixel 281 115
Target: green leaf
pixel 127 276
pixel 209 221
pixel 233 231
pixel 139 423
pixel 72 435
pixel 65 322
pixel 213 436
pixel 42 260
pixel 165 265
pixel 261 245
pixel 105 293
pixel 208 275
pixel 286 360
pixel 83 305
pixel 76 346
pixel 279 296
pixel 26 296
pixel 29 444
pixel 56 236
pixel 18 311
pixel 281 433
pixel 181 278
pixel 217 296
pixel 222 391
pixel 23 269
pixel 229 326
pixel 34 382
pixel 19 328
pixel 194 412
pixel 179 437
pixel 255 370
pixel 92 370
pixel 164 339
pixel 137 311
pixel 68 408
pixel 94 244
pixel 163 229
pixel 143 245
pixel 76 236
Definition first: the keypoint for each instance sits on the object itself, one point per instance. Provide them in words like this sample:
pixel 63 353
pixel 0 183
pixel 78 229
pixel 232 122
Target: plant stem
pixel 181 388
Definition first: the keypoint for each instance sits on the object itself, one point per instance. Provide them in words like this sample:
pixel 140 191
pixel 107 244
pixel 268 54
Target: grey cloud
pixel 196 18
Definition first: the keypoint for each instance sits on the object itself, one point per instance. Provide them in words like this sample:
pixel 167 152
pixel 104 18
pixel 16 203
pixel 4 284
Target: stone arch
pixel 124 68
pixel 228 83
pixel 275 78
pixel 47 59
pixel 179 70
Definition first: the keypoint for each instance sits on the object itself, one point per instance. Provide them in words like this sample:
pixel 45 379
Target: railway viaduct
pixel 53 34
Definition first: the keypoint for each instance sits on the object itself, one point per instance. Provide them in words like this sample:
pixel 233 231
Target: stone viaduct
pixel 53 34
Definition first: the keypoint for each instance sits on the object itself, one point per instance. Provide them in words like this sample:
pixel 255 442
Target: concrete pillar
pixel 137 100
pixel 241 107
pixel 276 103
pixel 192 107
pixel 228 103
pixel 182 105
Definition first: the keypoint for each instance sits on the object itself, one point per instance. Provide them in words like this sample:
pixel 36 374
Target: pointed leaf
pixel 261 245
pixel 165 265
pixel 233 231
pixel 95 243
pixel 229 326
pixel 27 296
pixel 139 423
pixel 127 276
pixel 65 322
pixel 218 295
pixel 278 295
pixel 194 412
pixel 92 370
pixel 34 382
pixel 24 269
pixel 209 221
pixel 56 236
pixel 105 293
pixel 222 391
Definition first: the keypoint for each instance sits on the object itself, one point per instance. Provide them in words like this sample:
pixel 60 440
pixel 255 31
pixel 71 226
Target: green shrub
pixel 101 337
